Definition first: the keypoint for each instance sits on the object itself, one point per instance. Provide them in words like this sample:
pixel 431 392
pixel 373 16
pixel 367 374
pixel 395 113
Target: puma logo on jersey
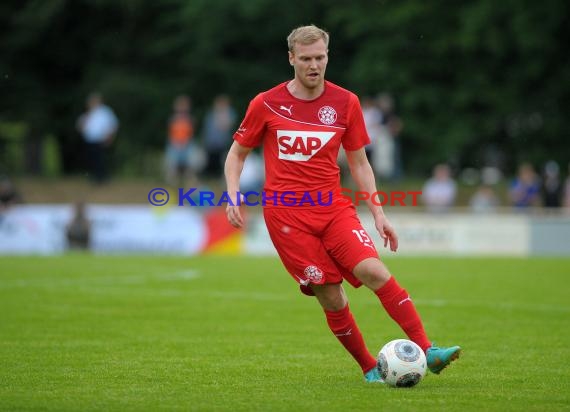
pixel 301 145
pixel 287 109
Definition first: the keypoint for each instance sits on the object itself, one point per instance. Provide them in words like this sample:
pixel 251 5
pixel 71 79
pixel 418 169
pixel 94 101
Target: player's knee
pixel 335 306
pixel 372 273
pixel 331 297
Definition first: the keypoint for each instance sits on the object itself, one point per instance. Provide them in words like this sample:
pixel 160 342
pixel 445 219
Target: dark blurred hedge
pixel 470 78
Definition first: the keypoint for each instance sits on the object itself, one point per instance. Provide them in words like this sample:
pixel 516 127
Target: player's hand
pixel 234 215
pixel 387 232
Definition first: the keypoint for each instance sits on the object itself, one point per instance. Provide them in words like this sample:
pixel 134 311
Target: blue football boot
pixel 373 376
pixel 439 358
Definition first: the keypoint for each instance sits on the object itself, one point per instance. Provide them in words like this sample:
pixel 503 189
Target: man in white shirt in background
pixel 440 190
pixel 98 127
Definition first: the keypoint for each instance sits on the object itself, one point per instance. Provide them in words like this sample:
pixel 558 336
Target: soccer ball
pixel 402 363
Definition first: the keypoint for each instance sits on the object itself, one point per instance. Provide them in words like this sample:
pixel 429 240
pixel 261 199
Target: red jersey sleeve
pixel 252 129
pixel 355 136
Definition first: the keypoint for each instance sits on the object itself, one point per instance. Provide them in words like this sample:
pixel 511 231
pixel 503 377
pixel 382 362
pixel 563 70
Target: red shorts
pixel 319 245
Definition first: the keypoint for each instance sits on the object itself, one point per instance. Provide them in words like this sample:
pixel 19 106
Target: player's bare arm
pixel 363 175
pixel 232 169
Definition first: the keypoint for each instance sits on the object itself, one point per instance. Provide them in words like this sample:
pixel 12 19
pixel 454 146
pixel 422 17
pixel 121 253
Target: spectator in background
pixel 179 147
pixel 484 200
pixel 373 122
pixel 98 127
pixel 78 231
pixel 525 189
pixel 566 201
pixel 440 190
pixel 9 195
pixel 218 132
pixel 394 126
pixel 551 186
pixel 383 153
pixel 253 172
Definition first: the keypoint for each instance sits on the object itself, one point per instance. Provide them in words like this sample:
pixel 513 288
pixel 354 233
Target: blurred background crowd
pixel 465 101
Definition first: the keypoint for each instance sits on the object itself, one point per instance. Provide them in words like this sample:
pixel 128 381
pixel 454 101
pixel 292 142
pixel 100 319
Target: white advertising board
pixel 424 234
pixel 40 229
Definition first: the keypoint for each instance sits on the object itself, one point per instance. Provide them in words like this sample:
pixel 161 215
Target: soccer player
pixel 301 124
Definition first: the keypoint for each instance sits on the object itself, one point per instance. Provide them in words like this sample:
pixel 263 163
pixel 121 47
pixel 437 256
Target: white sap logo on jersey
pixel 301 145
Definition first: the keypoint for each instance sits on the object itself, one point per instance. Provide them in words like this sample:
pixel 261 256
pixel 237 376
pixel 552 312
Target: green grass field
pixel 86 333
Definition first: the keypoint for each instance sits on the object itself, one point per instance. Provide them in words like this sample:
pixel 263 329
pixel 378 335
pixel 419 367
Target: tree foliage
pixel 466 76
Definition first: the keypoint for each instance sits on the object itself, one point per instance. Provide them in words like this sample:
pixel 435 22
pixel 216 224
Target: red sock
pixel 344 327
pixel 399 306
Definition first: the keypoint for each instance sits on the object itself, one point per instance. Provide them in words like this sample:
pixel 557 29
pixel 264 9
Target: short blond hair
pixel 306 35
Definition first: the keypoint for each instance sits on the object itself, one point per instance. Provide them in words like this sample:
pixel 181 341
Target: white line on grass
pixel 56 281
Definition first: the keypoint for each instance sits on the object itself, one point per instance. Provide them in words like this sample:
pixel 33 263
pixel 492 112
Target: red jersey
pixel 301 140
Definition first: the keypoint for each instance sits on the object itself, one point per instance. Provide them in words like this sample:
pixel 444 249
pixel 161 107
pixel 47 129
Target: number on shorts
pixel 362 236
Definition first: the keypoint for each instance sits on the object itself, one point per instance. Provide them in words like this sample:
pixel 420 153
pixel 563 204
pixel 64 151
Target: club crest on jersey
pixel 314 274
pixel 327 115
pixel 301 145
